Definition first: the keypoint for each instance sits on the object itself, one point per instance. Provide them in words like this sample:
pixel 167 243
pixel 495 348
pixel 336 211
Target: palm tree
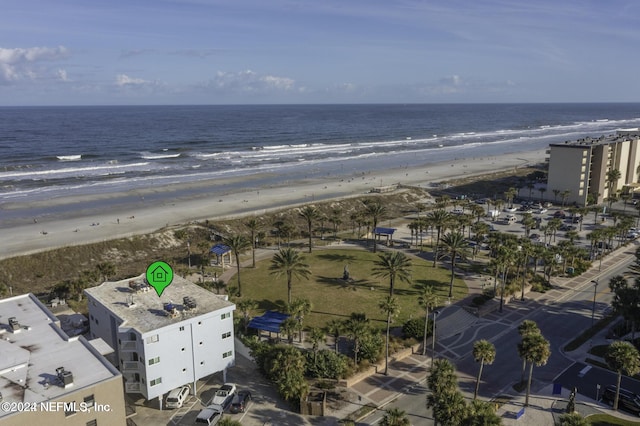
pixel 535 349
pixel 356 326
pixel 334 328
pixel 237 244
pixel 246 307
pixel 454 244
pixel 481 413
pixel 438 219
pixel 393 265
pixel 376 211
pixel 299 308
pixel 485 353
pixel 316 337
pixel 556 192
pixel 526 328
pixel 613 176
pixel 395 417
pixel 622 356
pixel 427 300
pixel 309 214
pixel 290 262
pixel 542 190
pixel 254 226
pixel 390 307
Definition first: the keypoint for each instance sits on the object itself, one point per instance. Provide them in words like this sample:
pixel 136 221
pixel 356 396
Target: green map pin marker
pixel 159 276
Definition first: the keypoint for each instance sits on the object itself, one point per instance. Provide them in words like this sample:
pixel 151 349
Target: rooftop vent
pixel 171 309
pixel 14 325
pixel 65 377
pixel 189 302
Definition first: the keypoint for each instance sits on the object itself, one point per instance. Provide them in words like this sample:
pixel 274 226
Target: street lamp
pixel 433 337
pixel 593 309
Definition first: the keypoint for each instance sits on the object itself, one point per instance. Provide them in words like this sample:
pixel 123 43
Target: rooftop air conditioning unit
pixel 14 324
pixel 65 377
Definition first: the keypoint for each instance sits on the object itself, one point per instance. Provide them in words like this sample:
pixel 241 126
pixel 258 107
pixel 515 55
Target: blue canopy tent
pixel 221 250
pixel 387 232
pixel 270 321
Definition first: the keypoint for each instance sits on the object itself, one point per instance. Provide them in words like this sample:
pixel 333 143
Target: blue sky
pixel 97 52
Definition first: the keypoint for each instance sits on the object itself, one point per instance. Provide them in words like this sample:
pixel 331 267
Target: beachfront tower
pixel 581 167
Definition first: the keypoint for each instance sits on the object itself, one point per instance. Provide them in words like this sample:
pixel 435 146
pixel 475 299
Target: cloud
pixel 62 75
pixel 123 80
pixel 26 63
pixel 251 82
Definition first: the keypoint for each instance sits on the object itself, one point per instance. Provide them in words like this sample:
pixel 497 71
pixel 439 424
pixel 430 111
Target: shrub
pixel 413 328
pixel 327 365
pixel 371 347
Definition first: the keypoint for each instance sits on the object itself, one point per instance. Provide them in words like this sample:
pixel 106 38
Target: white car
pixel 542 210
pixel 177 397
pixel 510 209
pixel 224 395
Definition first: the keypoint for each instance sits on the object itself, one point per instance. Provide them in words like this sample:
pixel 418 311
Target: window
pixel 182 328
pixel 227 354
pixel 226 335
pixel 154 360
pixel 155 381
pixel 69 409
pixel 89 401
pixel 225 315
pixel 93 422
pixel 153 339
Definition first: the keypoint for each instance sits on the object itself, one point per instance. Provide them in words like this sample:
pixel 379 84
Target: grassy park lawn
pixel 331 297
pixel 606 419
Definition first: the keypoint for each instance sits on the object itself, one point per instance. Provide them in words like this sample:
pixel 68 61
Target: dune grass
pixel 331 297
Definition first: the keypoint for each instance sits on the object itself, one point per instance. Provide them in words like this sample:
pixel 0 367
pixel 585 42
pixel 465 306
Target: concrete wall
pixel 569 171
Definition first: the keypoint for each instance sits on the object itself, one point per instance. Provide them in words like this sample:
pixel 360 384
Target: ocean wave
pixel 75 157
pixel 75 171
pixel 151 156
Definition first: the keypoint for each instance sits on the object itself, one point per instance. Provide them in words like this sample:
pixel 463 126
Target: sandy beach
pixel 142 212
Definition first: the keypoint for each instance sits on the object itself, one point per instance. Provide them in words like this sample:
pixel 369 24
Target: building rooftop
pixel 620 136
pixel 33 347
pixel 139 307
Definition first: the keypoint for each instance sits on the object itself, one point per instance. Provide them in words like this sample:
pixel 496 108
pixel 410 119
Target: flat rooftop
pixel 620 136
pixel 139 307
pixel 32 350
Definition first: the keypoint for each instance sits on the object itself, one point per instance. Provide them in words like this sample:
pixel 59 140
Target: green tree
pixel 246 307
pixel 315 338
pixel 309 214
pixel 446 401
pixel 439 219
pixel 334 328
pixel 484 352
pixel 481 413
pixel 394 265
pixel 613 176
pixel 299 309
pixel 227 421
pixel 290 263
pixel 357 326
pixel 254 227
pixel 626 300
pixel 622 356
pixel 286 370
pixel 535 349
pixel 526 328
pixel 395 417
pixel 238 244
pixel 454 245
pixel 390 307
pixel 427 299
pixel 376 212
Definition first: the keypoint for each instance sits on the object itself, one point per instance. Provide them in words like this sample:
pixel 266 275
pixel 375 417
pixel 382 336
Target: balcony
pixel 130 366
pixel 134 387
pixel 130 345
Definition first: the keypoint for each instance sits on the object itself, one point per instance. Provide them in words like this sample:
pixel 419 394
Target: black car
pixel 627 400
pixel 240 401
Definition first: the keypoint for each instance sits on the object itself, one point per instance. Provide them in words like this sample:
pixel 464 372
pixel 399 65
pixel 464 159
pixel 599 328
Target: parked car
pixel 224 395
pixel 177 397
pixel 210 415
pixel 565 227
pixel 560 213
pixel 627 400
pixel 534 237
pixel 240 401
pixel 632 235
pixel 510 209
pixel 542 210
pixel 458 210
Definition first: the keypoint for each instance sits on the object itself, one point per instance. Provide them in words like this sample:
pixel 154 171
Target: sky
pixel 149 52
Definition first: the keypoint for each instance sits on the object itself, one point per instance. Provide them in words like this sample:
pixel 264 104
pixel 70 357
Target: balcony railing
pixel 129 345
pixel 130 366
pixel 132 387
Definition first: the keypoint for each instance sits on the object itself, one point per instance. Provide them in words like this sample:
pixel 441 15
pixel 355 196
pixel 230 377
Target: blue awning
pixel 384 231
pixel 220 249
pixel 269 321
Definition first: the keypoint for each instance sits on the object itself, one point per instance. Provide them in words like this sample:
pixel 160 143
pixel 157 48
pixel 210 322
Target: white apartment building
pixel 161 343
pixel 580 167
pixel 47 377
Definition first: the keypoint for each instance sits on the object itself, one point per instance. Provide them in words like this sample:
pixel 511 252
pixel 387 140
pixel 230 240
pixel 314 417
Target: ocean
pixel 56 152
